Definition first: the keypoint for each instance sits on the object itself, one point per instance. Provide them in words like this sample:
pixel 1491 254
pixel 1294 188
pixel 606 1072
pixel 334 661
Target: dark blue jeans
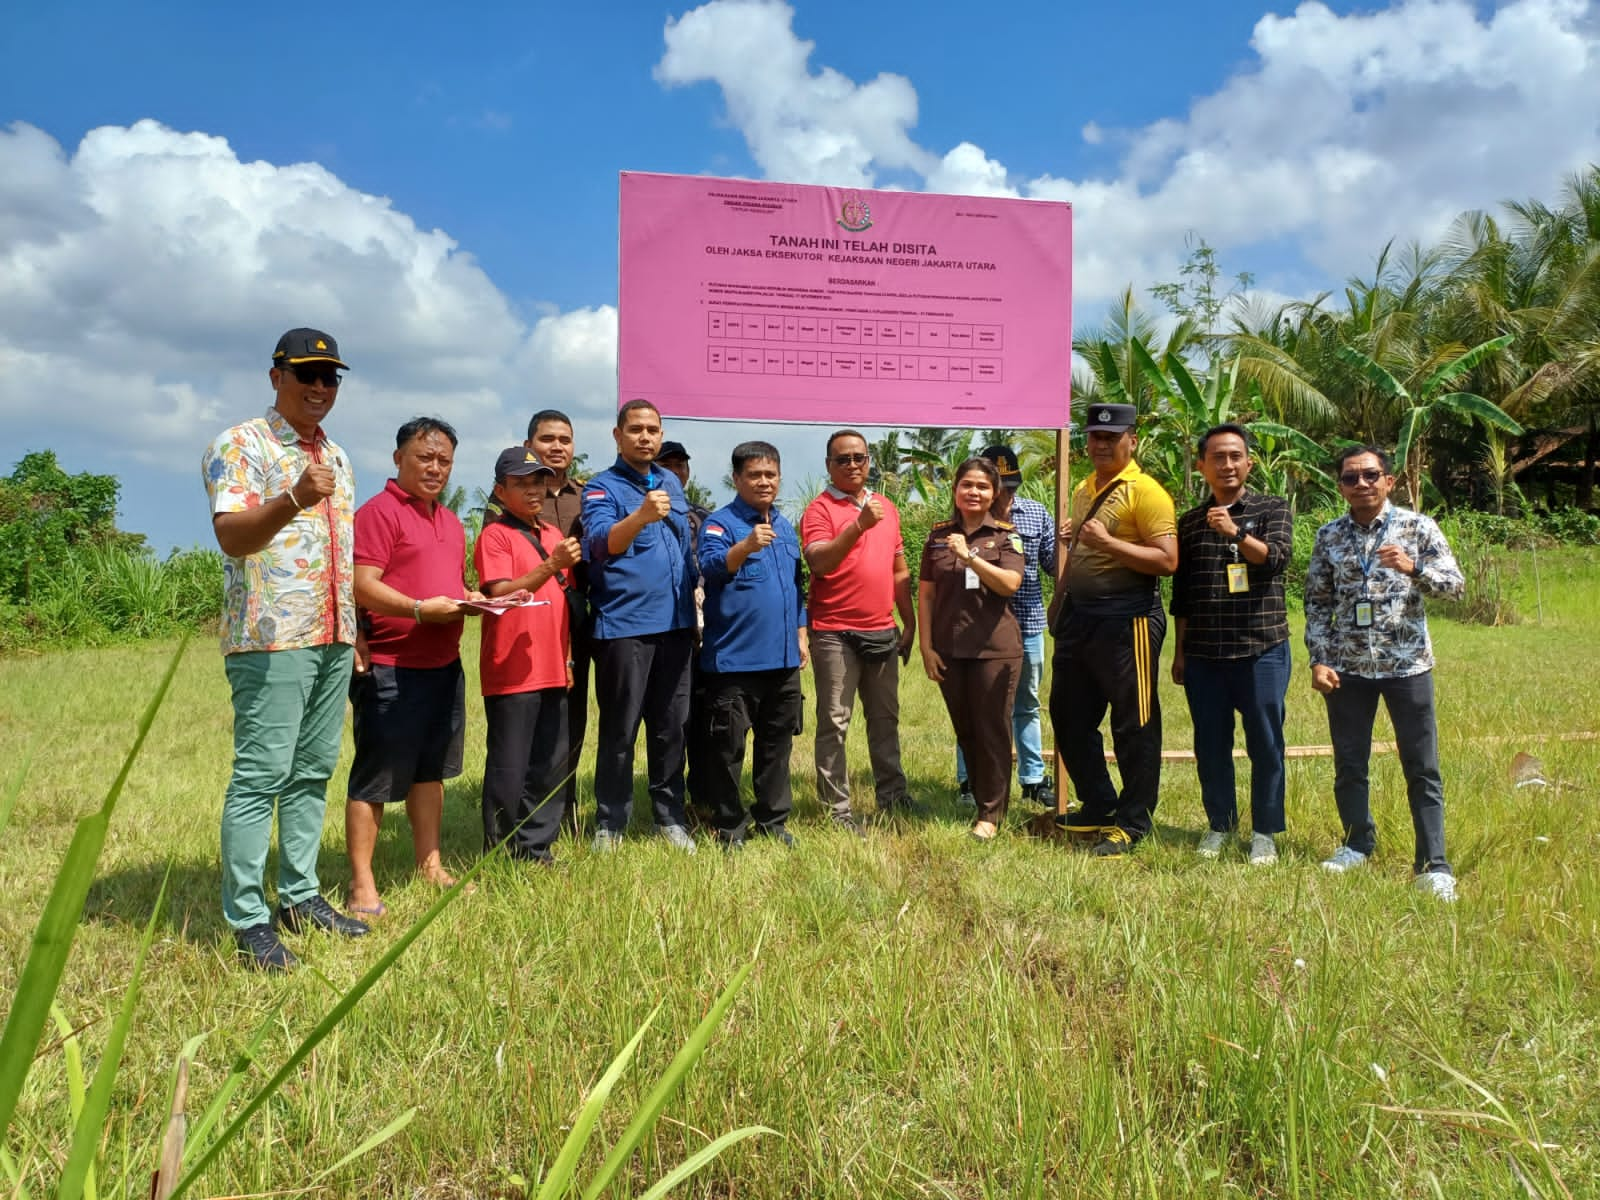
pixel 1254 688
pixel 1352 706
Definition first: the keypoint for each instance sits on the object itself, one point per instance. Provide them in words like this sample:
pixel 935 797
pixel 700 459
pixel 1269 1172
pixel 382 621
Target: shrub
pixel 96 594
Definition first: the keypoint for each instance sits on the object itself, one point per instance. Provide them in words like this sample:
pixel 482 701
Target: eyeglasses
pixel 1351 478
pixel 310 373
pixel 850 460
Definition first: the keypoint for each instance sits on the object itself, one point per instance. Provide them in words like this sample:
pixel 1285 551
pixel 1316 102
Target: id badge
pixel 1363 614
pixel 1238 578
pixel 972 580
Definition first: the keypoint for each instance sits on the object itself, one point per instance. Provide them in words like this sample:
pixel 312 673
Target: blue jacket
pixel 750 616
pixel 649 587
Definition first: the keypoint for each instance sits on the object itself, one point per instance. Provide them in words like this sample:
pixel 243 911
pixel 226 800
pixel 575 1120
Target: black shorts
pixel 409 725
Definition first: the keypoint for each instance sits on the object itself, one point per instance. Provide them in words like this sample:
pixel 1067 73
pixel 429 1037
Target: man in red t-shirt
pixel 525 662
pixel 859 577
pixel 408 694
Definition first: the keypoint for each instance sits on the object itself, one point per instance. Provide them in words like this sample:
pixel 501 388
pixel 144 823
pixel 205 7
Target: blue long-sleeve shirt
pixel 648 587
pixel 751 615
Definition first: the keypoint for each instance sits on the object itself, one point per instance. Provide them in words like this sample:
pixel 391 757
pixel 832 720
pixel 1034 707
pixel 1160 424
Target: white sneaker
pixel 1263 850
pixel 1211 845
pixel 1441 885
pixel 677 837
pixel 1344 859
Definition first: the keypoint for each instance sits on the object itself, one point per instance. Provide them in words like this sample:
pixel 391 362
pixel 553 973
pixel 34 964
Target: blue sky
pixel 180 182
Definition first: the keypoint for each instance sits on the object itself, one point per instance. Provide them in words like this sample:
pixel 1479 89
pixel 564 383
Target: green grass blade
pixel 91 1120
pixel 14 1173
pixel 372 1143
pixel 670 1080
pixel 200 1130
pixel 324 1027
pixel 58 924
pixel 555 1183
pixel 72 1061
pixel 8 799
pixel 700 1158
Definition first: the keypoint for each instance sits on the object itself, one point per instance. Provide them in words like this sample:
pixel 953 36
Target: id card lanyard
pixel 1368 556
pixel 1238 571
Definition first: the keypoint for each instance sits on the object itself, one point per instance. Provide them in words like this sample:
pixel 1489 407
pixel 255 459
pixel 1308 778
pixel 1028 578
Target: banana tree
pixel 1187 408
pixel 1431 399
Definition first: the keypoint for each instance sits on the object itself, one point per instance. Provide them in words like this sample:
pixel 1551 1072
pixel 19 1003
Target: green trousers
pixel 288 712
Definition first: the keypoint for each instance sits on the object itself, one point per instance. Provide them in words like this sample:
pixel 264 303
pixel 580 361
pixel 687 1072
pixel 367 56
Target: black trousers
pixel 1100 663
pixel 700 797
pixel 522 769
pixel 1352 707
pixel 641 679
pixel 738 704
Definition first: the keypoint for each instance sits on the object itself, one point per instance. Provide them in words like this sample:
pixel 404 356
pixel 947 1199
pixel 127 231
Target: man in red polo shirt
pixel 859 578
pixel 409 702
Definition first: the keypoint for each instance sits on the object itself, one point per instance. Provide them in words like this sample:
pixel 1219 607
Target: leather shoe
pixel 317 913
pixel 260 948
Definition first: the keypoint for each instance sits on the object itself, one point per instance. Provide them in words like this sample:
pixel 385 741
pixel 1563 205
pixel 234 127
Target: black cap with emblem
pixel 304 346
pixel 1113 418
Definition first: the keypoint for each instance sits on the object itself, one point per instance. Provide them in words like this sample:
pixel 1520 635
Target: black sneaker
pixel 964 796
pixel 1113 843
pixel 1040 793
pixel 317 913
pixel 260 948
pixel 777 834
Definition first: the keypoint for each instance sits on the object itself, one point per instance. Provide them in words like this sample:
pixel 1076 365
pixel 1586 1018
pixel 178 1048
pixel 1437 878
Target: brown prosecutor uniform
pixel 976 634
pixel 563 506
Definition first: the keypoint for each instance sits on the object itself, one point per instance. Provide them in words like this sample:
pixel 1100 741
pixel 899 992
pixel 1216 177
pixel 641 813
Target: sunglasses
pixel 310 373
pixel 1351 478
pixel 850 460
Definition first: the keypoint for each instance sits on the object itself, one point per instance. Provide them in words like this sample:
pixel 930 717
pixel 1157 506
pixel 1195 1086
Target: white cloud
pixel 801 126
pixel 145 277
pixel 1345 130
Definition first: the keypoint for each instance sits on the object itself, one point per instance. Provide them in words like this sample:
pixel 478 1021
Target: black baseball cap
pixel 1114 418
pixel 306 345
pixel 672 450
pixel 518 460
pixel 1004 459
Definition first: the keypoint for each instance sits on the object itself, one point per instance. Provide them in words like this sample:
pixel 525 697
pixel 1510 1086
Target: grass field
pixel 927 1017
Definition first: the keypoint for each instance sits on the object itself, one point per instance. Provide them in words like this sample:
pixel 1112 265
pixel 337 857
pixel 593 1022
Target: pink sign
pixel 787 302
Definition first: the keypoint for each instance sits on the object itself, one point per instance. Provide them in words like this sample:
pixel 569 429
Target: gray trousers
pixel 840 673
pixel 1352 706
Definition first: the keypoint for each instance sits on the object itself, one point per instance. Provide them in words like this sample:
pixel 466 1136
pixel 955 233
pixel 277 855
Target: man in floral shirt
pixel 1367 633
pixel 282 504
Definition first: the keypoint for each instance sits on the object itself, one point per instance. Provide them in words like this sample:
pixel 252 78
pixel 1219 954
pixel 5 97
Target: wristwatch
pixel 1239 536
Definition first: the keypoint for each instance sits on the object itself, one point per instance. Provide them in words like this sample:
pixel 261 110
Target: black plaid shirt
pixel 1222 624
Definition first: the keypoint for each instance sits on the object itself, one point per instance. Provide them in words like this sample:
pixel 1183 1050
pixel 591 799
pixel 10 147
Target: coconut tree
pixel 1431 399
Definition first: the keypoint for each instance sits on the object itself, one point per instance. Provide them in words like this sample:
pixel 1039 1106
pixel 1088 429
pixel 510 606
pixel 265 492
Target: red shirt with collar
pixel 421 554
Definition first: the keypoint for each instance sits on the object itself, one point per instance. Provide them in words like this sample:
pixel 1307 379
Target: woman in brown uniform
pixel 971 643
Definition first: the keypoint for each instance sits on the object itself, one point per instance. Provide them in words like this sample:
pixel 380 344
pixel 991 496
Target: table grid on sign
pixel 754 343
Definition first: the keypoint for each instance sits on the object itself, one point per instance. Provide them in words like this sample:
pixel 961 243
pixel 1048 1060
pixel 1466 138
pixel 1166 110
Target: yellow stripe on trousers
pixel 1141 666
